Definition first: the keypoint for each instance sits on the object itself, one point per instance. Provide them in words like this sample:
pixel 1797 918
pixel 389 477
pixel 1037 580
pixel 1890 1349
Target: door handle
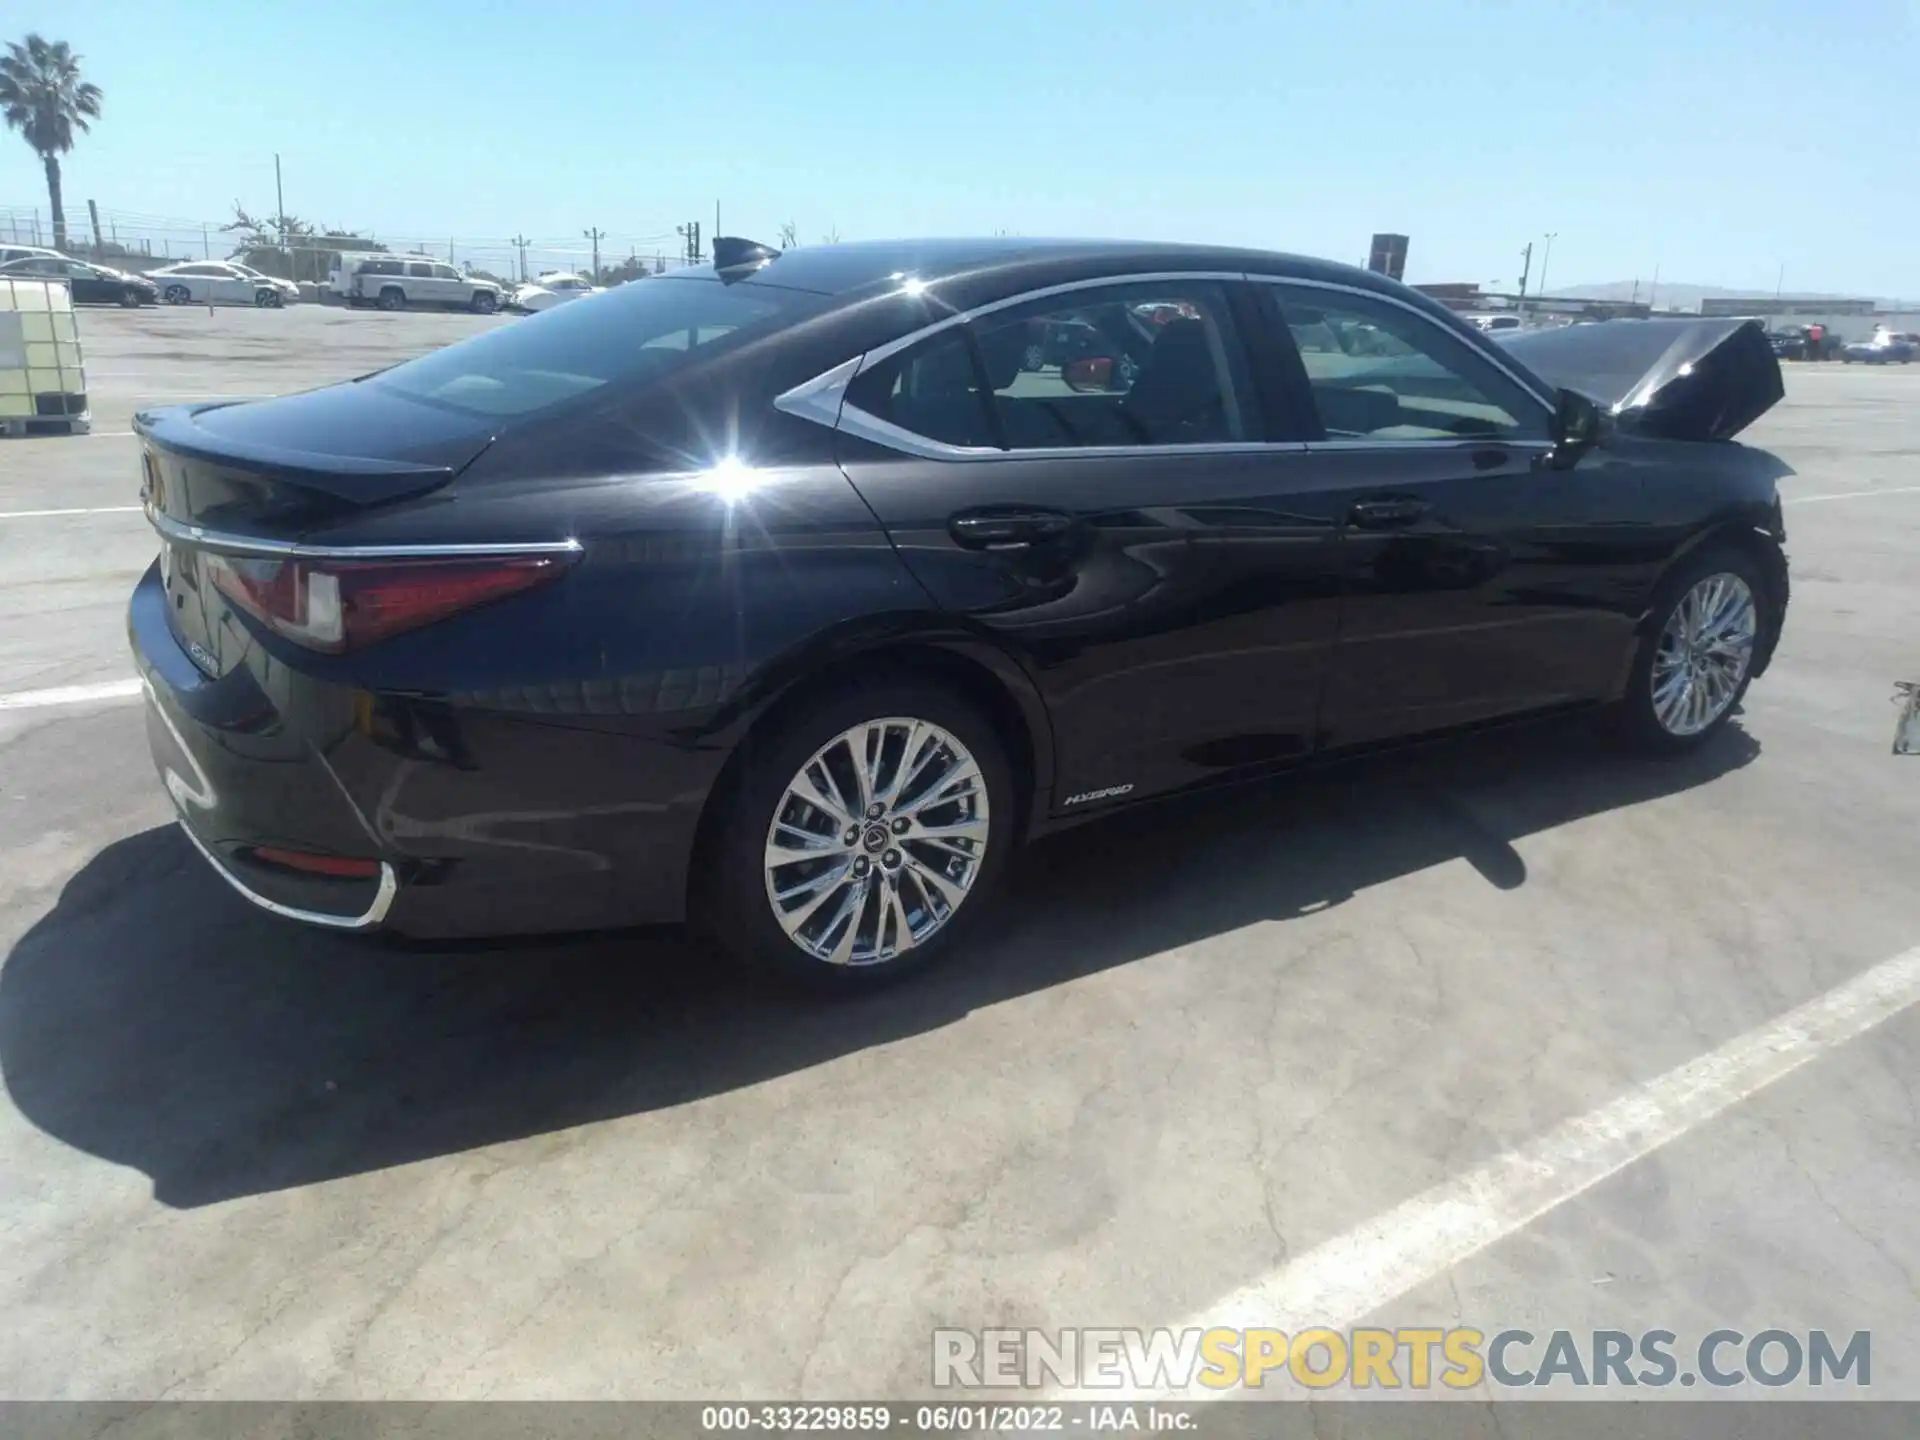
pixel 1007 529
pixel 1386 514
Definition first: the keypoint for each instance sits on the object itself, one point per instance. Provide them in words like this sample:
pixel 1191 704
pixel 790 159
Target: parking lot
pixel 1206 1057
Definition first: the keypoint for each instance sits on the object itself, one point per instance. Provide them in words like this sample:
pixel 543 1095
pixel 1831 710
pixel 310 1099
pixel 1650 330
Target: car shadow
pixel 156 1020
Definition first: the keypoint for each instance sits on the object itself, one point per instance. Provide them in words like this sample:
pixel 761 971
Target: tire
pixel 1644 723
pixel 393 298
pixel 484 303
pixel 177 295
pixel 266 299
pixel 130 299
pixel 1035 358
pixel 736 902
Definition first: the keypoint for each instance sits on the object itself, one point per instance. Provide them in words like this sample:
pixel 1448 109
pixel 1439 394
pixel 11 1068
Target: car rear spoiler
pixel 1680 379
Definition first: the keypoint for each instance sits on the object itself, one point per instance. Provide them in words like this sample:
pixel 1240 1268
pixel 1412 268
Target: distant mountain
pixel 1674 294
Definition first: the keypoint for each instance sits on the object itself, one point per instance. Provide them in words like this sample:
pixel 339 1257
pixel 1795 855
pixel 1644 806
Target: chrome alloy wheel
pixel 1705 651
pixel 876 842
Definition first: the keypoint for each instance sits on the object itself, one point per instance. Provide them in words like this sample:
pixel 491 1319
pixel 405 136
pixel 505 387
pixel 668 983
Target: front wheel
pixel 177 295
pixel 484 303
pixel 864 834
pixel 1697 658
pixel 130 298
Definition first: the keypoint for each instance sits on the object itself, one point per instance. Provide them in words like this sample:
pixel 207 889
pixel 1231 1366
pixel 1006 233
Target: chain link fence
pixel 133 241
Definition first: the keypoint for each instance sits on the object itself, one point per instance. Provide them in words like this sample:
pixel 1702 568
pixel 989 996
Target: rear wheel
pixel 1697 659
pixel 866 833
pixel 393 298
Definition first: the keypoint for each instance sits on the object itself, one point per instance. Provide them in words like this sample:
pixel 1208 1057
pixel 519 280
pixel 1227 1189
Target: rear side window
pixel 424 272
pixel 627 334
pixel 1122 365
pixel 1381 373
pixel 380 267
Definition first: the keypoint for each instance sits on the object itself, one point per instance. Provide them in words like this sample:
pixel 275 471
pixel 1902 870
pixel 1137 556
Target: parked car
pixel 221 282
pixel 401 282
pixel 11 253
pixel 553 289
pixel 1788 344
pixel 90 284
pixel 777 596
pixel 1885 348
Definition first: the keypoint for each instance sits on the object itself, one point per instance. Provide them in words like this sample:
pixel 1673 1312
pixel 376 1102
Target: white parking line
pixel 71 695
pixel 48 514
pixel 1348 1278
pixel 1853 494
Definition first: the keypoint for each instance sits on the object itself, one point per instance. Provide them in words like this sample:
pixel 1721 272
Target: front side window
pixel 632 333
pixel 1121 365
pixel 445 272
pixel 1378 372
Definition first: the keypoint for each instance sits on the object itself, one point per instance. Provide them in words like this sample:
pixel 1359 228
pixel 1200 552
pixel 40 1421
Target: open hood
pixel 1680 379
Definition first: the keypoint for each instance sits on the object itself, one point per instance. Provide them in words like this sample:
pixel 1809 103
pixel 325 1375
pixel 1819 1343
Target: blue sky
pixel 1717 141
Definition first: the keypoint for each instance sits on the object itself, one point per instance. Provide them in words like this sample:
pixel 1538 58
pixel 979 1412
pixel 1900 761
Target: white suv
pixel 394 282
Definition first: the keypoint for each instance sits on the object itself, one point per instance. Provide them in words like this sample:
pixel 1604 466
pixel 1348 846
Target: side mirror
pixel 1576 426
pixel 1089 375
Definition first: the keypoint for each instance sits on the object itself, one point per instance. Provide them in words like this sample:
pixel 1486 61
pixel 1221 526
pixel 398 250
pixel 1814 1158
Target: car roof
pixel 838 269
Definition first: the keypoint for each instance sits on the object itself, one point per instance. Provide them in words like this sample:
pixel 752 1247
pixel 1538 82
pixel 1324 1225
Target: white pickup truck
pixel 399 282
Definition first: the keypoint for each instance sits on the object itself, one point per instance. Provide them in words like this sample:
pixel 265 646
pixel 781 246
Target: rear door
pixel 422 288
pixel 1118 515
pixel 1479 581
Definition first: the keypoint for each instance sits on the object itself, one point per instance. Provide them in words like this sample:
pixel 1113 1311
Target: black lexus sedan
pixel 89 284
pixel 783 596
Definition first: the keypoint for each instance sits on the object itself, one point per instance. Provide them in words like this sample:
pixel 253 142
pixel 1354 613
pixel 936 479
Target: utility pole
pixel 206 244
pixel 596 235
pixel 1547 256
pixel 1778 285
pixel 1654 293
pixel 520 243
pixel 690 232
pixel 280 199
pixel 1526 269
pixel 94 211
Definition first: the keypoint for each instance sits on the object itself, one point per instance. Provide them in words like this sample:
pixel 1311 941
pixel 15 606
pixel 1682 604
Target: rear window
pixel 644 329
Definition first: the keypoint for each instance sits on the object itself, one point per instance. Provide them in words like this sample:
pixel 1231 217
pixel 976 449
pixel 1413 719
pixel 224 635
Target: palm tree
pixel 44 98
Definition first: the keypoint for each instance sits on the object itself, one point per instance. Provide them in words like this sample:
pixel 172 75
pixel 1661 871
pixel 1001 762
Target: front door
pixel 1480 582
pixel 1111 512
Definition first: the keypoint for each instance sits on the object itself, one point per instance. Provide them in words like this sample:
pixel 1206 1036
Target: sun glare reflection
pixel 730 478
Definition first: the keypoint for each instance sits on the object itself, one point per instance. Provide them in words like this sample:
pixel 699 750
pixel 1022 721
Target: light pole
pixel 1546 256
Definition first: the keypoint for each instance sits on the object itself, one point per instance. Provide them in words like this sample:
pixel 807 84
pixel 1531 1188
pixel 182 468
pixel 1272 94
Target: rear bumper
pixel 481 824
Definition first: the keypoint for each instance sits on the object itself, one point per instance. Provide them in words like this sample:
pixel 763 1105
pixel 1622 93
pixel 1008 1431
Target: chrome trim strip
pixel 1365 294
pixel 373 915
pixel 183 533
pixel 820 398
pixel 1478 442
pixel 961 317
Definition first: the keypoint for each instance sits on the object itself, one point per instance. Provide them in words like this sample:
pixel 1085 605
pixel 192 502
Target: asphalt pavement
pixel 1489 1035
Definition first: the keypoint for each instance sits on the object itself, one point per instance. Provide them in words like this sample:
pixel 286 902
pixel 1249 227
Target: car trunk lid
pixel 253 479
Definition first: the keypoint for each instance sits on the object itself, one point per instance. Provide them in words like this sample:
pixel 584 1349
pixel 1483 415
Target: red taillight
pixel 339 866
pixel 336 605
